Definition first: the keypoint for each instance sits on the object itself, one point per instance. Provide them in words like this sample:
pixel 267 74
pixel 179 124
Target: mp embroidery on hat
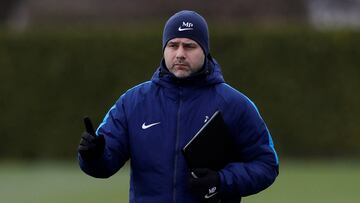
pixel 186 26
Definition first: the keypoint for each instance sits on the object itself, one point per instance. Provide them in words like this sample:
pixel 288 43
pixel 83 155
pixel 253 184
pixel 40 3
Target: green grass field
pixel 55 182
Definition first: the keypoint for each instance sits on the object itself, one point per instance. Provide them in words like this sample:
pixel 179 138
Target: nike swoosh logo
pixel 183 29
pixel 207 196
pixel 144 126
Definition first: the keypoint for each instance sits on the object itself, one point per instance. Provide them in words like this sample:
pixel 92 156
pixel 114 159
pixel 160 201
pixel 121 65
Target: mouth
pixel 180 65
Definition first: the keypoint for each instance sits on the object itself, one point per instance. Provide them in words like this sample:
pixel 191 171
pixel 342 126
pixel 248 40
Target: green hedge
pixel 304 82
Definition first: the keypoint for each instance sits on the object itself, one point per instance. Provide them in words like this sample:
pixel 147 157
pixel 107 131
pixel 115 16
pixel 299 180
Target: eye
pixel 172 45
pixel 190 46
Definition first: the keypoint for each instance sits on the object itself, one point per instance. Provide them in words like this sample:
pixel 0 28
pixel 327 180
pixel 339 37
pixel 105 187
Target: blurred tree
pixel 113 12
pixel 334 13
pixel 6 6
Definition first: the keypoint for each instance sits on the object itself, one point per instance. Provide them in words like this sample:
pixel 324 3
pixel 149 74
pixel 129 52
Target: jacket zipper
pixel 177 145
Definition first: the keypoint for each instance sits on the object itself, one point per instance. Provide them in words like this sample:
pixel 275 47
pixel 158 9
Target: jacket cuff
pixel 222 185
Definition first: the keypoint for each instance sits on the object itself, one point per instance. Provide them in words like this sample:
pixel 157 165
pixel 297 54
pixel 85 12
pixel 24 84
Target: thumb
pixel 88 126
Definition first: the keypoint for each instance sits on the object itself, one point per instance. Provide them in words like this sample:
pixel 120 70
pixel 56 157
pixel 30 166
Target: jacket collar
pixel 210 74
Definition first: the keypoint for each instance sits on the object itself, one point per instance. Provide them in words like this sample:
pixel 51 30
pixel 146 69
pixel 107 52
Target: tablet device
pixel 211 147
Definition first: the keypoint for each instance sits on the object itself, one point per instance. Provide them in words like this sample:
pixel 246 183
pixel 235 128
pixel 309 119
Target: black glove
pixel 205 183
pixel 91 146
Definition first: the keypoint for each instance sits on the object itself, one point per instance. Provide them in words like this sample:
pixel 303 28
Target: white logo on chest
pixel 144 126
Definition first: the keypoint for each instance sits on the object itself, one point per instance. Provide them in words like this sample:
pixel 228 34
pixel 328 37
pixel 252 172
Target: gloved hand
pixel 91 146
pixel 205 183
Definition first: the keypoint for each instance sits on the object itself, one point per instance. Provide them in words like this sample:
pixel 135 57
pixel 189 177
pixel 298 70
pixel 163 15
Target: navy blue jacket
pixel 152 122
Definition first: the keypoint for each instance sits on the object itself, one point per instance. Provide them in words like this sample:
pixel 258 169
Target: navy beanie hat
pixel 187 24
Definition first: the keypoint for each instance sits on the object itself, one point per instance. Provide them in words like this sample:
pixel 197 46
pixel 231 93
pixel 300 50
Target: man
pixel 152 122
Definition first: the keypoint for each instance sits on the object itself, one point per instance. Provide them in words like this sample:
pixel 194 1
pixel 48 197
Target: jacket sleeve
pixel 258 165
pixel 116 152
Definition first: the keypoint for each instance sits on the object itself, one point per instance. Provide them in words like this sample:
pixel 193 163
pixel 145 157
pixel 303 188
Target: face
pixel 183 57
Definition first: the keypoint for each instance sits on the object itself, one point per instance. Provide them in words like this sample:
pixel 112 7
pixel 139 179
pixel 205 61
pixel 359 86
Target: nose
pixel 180 53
